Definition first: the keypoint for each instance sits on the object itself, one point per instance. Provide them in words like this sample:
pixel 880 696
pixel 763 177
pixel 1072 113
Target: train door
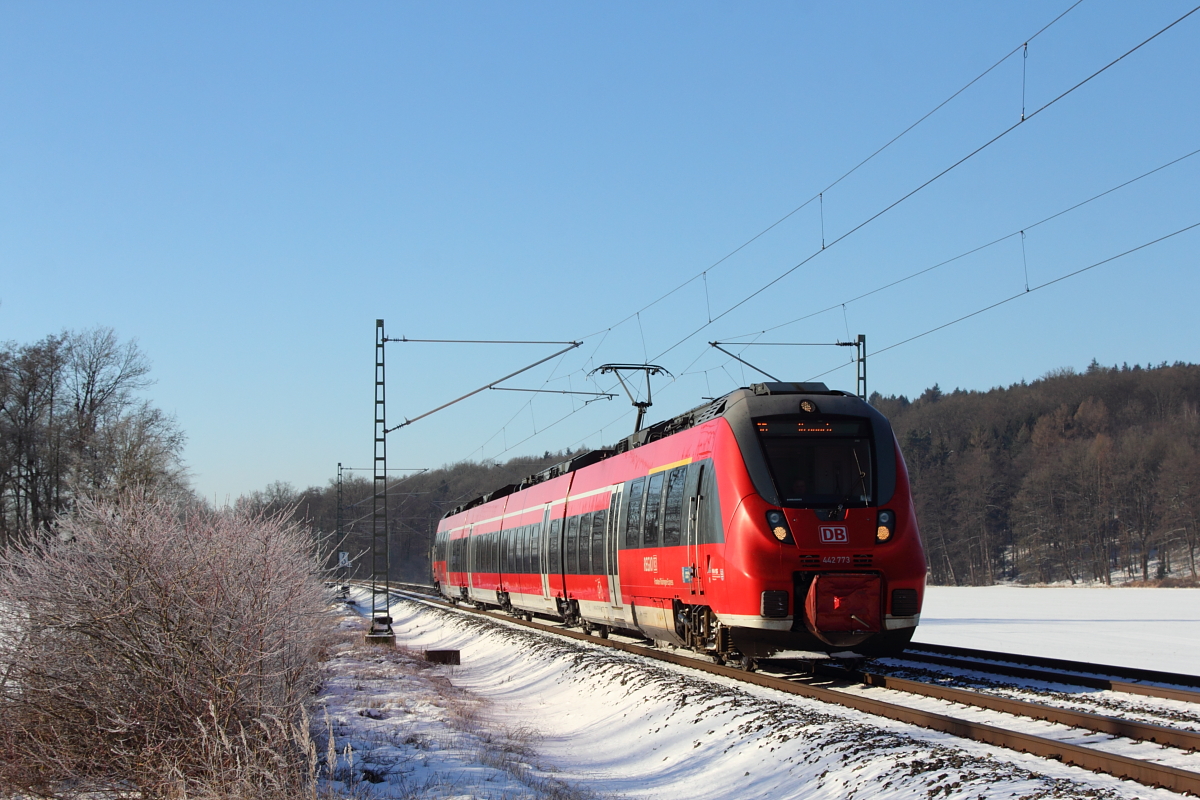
pixel 694 572
pixel 470 558
pixel 543 541
pixel 502 558
pixel 611 538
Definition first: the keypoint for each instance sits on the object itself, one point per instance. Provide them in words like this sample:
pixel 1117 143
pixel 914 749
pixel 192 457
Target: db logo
pixel 835 534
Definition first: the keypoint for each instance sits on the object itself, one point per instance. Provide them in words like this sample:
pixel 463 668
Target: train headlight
pixel 808 406
pixel 885 525
pixel 777 522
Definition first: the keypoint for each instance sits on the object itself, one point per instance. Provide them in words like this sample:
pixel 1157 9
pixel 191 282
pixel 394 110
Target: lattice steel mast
pixel 381 618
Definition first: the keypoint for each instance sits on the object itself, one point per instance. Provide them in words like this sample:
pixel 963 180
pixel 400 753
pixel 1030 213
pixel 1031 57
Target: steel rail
pixel 1128 673
pixel 1051 671
pixel 1130 729
pixel 1145 772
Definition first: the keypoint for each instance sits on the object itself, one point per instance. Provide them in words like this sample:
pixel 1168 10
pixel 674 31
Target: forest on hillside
pixel 1075 477
pixel 415 504
pixel 1085 477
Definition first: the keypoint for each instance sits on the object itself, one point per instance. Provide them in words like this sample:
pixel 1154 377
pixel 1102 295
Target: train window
pixel 527 553
pixel 527 562
pixel 517 556
pixel 653 501
pixel 673 516
pixel 523 567
pixel 537 549
pixel 598 520
pixel 818 462
pixel 552 547
pixel 572 551
pixel 633 520
pixel 584 544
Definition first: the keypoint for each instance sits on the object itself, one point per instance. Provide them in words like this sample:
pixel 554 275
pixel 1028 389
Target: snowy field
pixel 1146 628
pixel 524 717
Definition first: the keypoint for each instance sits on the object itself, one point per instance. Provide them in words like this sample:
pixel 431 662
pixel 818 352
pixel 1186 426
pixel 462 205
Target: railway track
pixel 845 687
pixel 1181 687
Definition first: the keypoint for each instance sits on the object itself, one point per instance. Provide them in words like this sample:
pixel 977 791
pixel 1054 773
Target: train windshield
pixel 819 462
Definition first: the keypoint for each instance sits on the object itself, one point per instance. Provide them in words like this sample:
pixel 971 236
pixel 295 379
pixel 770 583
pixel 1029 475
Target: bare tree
pixel 72 424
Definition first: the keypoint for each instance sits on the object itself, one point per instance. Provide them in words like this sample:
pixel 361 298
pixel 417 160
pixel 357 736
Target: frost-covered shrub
pixel 163 653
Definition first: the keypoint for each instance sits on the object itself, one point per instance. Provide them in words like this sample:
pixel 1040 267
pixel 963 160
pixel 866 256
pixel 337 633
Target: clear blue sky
pixel 244 189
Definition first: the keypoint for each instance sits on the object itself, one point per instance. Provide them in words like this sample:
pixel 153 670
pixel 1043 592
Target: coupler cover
pixel 842 608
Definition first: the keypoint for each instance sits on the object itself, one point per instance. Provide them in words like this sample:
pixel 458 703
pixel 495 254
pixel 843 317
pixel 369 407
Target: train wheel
pixel 603 631
pixel 718 658
pixel 749 664
pixel 586 627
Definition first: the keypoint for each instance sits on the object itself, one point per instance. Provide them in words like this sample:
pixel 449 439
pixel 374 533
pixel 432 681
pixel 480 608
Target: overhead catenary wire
pixel 965 317
pixel 819 196
pixel 1036 288
pixel 930 181
pixel 953 322
pixel 845 175
pixel 895 203
pixel 969 252
pixel 470 341
pixel 571 346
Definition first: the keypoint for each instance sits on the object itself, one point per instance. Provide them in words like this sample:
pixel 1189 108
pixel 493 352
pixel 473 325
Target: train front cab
pixel 822 548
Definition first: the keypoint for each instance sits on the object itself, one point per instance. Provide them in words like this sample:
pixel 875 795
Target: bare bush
pixel 152 653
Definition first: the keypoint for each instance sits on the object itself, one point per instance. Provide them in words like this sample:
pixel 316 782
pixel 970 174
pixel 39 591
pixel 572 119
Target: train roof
pixel 689 419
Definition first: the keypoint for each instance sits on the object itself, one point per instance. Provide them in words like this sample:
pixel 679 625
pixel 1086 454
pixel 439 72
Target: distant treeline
pixel 1073 477
pixel 1091 477
pixel 415 504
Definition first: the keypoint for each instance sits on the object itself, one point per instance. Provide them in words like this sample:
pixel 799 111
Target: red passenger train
pixel 774 521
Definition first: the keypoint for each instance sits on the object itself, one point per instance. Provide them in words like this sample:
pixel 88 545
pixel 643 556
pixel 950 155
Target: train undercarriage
pixel 699 629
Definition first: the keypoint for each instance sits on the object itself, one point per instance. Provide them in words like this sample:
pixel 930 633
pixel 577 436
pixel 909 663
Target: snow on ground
pixel 527 716
pixel 388 724
pixel 1129 627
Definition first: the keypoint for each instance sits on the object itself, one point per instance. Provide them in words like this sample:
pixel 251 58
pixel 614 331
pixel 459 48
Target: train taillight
pixel 777 522
pixel 885 525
